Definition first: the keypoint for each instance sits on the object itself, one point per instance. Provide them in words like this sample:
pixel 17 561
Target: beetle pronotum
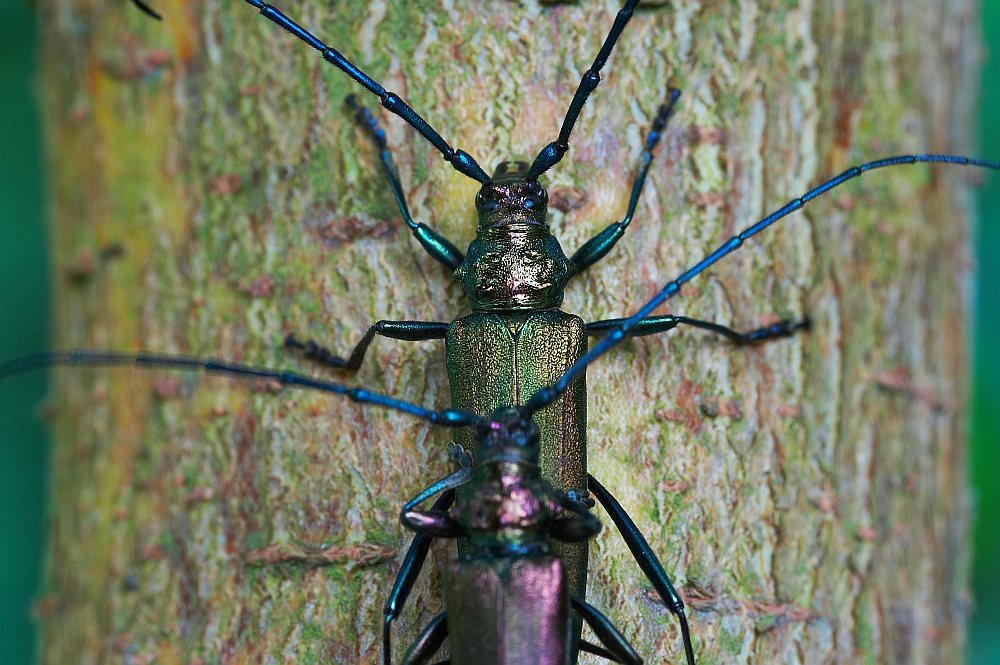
pixel 730 140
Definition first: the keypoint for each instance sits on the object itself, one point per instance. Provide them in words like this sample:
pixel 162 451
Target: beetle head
pixel 511 199
pixel 508 437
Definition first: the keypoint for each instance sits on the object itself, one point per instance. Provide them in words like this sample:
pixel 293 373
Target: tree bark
pixel 210 194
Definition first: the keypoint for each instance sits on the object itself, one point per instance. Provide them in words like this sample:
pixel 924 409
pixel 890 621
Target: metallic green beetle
pixel 517 340
pixel 516 348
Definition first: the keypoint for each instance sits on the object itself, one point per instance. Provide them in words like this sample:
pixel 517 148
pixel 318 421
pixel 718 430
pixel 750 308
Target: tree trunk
pixel 210 194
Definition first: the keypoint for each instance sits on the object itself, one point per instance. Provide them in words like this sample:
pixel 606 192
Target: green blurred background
pixel 24 303
pixel 984 642
pixel 23 299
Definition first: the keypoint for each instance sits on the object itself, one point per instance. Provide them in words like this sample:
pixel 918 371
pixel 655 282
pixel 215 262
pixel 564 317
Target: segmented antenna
pixel 553 152
pixel 459 159
pixel 545 396
pixel 445 417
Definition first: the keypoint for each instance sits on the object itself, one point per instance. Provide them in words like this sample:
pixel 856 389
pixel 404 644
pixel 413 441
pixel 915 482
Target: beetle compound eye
pixel 486 203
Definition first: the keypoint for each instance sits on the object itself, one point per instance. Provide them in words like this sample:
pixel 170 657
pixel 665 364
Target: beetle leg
pixel 146 9
pixel 618 648
pixel 435 522
pixel 439 247
pixel 410 331
pixel 579 528
pixel 428 641
pixel 597 247
pixel 599 651
pixel 410 569
pixel 657 324
pixel 646 558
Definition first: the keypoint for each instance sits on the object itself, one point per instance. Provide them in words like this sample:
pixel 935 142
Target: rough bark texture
pixel 209 195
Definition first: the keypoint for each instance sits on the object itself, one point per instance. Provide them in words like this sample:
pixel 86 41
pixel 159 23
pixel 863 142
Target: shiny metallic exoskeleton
pixel 508 600
pixel 517 340
pixel 514 264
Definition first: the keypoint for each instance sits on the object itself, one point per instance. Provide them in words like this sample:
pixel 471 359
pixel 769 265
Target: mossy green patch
pixel 335 574
pixel 863 634
pixel 730 642
pixel 313 639
pixel 256 540
pixel 765 622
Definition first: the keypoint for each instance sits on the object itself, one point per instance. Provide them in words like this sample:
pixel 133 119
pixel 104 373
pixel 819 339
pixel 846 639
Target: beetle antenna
pixel 446 417
pixel 553 152
pixel 547 395
pixel 459 159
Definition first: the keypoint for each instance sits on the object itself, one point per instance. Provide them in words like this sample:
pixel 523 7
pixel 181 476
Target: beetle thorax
pixel 514 263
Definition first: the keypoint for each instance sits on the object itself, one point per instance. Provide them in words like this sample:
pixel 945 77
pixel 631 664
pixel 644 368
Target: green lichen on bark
pixel 819 516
